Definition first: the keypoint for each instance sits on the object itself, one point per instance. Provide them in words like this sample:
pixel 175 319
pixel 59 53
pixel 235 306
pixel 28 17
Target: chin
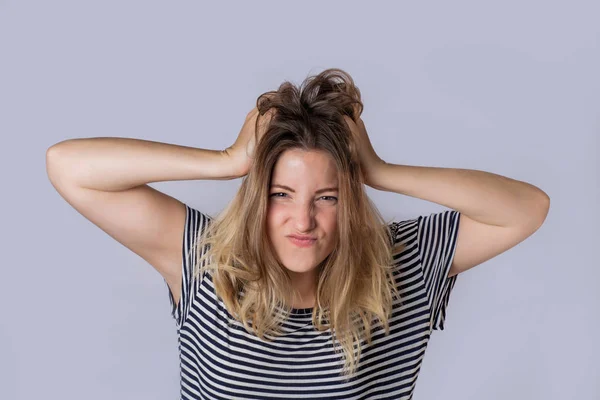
pixel 299 267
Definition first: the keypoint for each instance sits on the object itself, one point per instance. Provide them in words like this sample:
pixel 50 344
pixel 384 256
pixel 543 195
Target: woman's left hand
pixel 369 160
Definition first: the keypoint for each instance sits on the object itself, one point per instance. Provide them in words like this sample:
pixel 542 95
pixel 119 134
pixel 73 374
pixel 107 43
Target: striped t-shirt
pixel 219 359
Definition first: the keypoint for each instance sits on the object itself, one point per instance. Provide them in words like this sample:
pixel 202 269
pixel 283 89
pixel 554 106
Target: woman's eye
pixel 275 194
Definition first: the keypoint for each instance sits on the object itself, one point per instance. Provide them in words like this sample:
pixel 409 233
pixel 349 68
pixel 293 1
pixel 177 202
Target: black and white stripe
pixel 220 360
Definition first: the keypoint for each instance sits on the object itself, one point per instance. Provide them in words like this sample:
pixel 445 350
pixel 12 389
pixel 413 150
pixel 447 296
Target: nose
pixel 305 219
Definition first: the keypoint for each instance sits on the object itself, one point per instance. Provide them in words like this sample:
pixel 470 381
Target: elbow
pixel 542 209
pixel 55 166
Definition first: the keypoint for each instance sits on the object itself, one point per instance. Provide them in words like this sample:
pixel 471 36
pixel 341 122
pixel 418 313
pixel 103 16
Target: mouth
pixel 302 242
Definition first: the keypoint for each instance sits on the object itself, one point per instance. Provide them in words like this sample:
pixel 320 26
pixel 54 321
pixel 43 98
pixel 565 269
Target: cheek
pixel 275 215
pixel 329 225
pixel 275 222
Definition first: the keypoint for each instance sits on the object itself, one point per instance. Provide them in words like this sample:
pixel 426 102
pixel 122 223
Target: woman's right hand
pixel 241 152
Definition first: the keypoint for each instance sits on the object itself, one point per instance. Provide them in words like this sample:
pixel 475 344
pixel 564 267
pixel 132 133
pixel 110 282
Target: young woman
pixel 299 288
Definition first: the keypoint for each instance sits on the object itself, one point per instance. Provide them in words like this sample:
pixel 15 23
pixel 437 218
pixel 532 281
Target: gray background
pixel 508 87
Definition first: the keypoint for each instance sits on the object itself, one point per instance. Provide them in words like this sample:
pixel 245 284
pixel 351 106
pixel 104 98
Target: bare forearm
pixel 486 197
pixel 115 163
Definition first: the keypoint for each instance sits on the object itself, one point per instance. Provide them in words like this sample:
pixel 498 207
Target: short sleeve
pixel 195 224
pixel 436 240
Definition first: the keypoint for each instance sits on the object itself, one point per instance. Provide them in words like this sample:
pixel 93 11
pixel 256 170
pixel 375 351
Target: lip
pixel 302 242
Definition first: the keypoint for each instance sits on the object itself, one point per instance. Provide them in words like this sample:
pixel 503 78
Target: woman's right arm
pixel 105 179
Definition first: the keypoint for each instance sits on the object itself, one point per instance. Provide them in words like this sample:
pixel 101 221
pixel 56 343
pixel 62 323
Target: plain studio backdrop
pixel 507 87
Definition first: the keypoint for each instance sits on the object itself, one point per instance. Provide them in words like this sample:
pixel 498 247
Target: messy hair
pixel 355 284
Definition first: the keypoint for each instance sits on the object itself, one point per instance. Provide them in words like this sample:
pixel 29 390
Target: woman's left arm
pixel 496 212
pixel 483 196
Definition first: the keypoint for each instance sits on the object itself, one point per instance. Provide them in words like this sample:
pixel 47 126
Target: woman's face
pixel 307 205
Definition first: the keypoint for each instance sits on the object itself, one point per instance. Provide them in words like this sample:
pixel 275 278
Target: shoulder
pixel 405 231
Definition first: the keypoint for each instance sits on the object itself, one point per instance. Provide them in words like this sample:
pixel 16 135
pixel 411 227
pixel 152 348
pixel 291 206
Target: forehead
pixel 302 166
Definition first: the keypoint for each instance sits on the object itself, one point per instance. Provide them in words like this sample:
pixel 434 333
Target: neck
pixel 305 285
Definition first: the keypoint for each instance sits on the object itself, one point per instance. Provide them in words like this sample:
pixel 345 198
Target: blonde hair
pixel 355 283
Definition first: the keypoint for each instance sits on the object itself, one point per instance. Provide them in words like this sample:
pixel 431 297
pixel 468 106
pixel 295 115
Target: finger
pixel 350 122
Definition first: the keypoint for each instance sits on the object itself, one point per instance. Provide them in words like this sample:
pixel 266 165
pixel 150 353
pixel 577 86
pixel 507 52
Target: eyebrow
pixel 328 189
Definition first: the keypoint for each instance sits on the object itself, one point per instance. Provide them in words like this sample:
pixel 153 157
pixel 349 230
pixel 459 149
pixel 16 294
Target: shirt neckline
pixel 301 310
